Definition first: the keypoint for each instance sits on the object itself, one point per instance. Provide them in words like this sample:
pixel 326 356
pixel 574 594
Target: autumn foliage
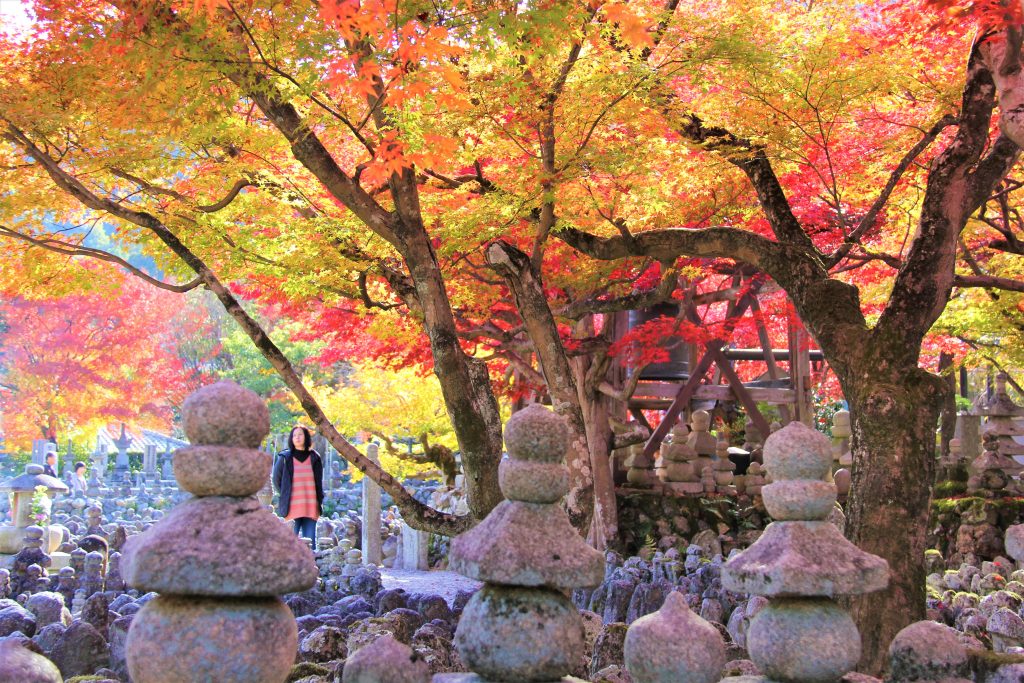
pixel 73 361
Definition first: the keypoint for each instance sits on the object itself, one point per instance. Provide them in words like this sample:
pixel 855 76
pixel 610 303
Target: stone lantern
pixel 22 488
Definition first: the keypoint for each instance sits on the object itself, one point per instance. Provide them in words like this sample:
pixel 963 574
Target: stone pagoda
pixel 680 469
pixel 640 472
pixel 802 562
pixel 1004 420
pixel 219 560
pixel 521 626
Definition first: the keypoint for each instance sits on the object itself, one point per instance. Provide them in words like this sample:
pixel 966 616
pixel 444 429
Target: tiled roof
pixel 140 438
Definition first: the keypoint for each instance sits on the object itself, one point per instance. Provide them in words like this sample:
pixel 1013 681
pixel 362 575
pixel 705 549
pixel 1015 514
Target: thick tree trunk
pixel 605 525
pixel 465 382
pixel 528 292
pixel 894 420
pixel 596 409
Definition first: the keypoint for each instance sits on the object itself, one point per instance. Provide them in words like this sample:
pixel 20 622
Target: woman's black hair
pixel 307 439
pixel 79 464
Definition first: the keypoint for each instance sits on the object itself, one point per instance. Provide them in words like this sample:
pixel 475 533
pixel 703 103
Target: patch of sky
pixel 101 235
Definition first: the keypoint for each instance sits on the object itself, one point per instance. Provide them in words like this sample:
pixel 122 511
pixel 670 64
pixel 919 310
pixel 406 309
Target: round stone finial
pixel 843 478
pixel 533 482
pixel 797 452
pixel 928 651
pixel 655 653
pixel 33 468
pixel 536 434
pixel 701 420
pixel 225 414
pixel 386 659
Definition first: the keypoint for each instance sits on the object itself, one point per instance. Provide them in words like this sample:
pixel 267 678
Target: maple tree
pixel 415 182
pixel 74 361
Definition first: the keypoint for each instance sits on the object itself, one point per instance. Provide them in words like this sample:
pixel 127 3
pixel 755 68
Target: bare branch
pixel 989 282
pixel 868 220
pixel 60 247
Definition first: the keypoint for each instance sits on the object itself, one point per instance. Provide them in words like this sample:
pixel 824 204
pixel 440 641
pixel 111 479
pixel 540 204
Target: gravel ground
pixel 445 584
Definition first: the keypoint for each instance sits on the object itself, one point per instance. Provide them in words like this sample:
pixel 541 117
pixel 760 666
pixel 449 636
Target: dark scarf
pixel 299 455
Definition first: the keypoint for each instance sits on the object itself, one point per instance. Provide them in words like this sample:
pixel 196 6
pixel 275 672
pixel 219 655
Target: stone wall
pixel 665 521
pixel 971 529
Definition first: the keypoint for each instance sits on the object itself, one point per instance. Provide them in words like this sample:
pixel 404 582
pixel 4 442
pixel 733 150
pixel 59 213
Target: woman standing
pixel 78 483
pixel 298 478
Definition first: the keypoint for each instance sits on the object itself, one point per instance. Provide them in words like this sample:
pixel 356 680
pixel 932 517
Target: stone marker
pixel 371 514
pixel 415 549
pixel 802 561
pixel 385 660
pixel 219 561
pixel 655 652
pixel 520 626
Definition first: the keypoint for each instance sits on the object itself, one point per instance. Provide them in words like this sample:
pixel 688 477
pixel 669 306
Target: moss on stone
pixel 85 679
pixel 942 506
pixel 304 669
pixel 985 662
pixel 948 489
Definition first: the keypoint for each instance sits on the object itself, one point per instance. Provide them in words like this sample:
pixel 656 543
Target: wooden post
pixel 800 371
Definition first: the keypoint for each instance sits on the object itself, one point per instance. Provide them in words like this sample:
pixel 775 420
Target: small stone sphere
pixel 519 634
pixel 221 470
pixel 537 434
pixel 225 414
pixel 228 641
pixel 701 420
pixel 799 499
pixel 783 635
pixel 927 650
pixel 655 652
pixel 20 664
pixel 843 478
pixel 797 452
pixel 533 482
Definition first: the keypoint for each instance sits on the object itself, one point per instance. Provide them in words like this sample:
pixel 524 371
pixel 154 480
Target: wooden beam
pixel 766 343
pixel 741 392
pixel 680 402
pixel 723 392
pixel 637 412
pixel 800 372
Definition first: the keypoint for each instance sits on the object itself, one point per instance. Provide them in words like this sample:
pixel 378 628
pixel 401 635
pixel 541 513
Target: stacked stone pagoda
pixel 521 626
pixel 801 562
pixel 1004 419
pixel 992 472
pixel 842 430
pixel 641 472
pixel 219 560
pixel 680 470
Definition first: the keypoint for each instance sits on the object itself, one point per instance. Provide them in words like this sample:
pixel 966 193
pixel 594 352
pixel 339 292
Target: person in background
pixel 78 484
pixel 50 466
pixel 299 480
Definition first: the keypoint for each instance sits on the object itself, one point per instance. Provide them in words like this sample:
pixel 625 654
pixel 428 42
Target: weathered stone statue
pixel 521 626
pixel 801 562
pixel 219 560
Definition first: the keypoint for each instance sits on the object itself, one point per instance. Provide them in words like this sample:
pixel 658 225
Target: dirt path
pixel 445 584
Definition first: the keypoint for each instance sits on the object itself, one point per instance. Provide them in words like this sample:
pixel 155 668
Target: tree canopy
pixel 416 183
